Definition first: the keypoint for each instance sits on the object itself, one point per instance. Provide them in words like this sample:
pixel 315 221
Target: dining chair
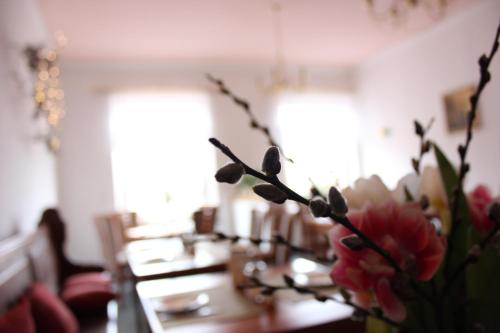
pixel 57 230
pixel 110 230
pixel 266 225
pixel 204 219
pixel 314 234
pixel 256 222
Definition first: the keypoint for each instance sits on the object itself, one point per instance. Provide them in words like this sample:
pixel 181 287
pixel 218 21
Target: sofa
pixel 29 268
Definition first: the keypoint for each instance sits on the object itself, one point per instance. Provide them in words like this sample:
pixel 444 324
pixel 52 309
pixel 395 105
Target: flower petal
pixel 350 276
pixel 391 305
pixel 430 258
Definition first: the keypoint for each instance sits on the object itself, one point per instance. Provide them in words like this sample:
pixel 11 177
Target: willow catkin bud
pixel 419 129
pixel 494 212
pixel 337 201
pixel 268 291
pixel 314 191
pixel 474 253
pixel 415 164
pixel 319 207
pixel 270 192
pixel 321 298
pixel 424 202
pixel 483 61
pixel 358 315
pixel 461 151
pixel 426 146
pixel 290 282
pixel 230 173
pixel 353 242
pixel 271 164
pixel 345 295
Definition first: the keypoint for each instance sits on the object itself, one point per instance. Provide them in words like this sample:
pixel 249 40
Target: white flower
pixel 366 190
pixel 432 186
pixel 412 183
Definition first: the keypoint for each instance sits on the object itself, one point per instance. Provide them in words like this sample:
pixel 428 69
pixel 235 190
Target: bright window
pixel 162 163
pixel 320 133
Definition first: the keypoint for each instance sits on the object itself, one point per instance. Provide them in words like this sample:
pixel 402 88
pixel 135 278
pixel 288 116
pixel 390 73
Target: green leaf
pixel 459 241
pixel 454 315
pixel 421 316
pixel 483 288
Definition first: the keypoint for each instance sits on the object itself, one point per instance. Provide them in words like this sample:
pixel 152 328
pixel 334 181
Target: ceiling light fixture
pixel 279 79
pixel 398 10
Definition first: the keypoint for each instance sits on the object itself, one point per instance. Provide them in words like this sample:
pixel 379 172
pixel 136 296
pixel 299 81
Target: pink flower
pixel 406 234
pixel 479 200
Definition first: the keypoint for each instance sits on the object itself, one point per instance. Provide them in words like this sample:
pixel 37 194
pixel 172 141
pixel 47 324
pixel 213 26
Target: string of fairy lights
pixel 48 95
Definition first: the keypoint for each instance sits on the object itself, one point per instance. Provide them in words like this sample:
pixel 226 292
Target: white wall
pixel 85 182
pixel 27 178
pixel 407 82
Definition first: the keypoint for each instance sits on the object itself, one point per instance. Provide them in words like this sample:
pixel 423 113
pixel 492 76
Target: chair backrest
pixel 204 219
pixel 128 219
pixel 110 232
pixel 314 234
pixel 286 227
pixel 256 223
pixel 267 224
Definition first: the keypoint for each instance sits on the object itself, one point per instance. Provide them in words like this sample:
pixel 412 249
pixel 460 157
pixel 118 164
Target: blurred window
pixel 320 133
pixel 162 163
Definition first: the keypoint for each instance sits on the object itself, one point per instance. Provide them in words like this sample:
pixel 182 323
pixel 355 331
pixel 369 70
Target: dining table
pixel 225 309
pixel 171 257
pixel 155 231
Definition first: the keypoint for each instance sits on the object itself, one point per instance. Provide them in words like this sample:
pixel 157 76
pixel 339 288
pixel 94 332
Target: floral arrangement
pixel 421 258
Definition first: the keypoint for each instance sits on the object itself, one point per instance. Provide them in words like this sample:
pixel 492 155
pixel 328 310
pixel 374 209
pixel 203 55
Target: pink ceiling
pixel 333 32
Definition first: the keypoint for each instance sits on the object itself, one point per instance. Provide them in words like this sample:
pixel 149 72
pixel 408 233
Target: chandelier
pixel 279 78
pixel 398 10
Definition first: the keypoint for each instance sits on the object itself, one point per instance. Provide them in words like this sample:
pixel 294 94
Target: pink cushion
pixel 93 278
pixel 18 319
pixel 87 298
pixel 50 313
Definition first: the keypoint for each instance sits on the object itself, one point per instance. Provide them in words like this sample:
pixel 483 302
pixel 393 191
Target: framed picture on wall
pixel 456 105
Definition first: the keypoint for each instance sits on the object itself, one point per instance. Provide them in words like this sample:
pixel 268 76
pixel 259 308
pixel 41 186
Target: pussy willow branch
pixel 292 195
pixel 470 259
pixel 276 240
pixel 484 78
pixel 292 285
pixel 245 105
pixel 424 146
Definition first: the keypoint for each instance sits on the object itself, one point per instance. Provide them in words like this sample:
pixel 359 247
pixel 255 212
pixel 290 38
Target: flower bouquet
pixel 421 258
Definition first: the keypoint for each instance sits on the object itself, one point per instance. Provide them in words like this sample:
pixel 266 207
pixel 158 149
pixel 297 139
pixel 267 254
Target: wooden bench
pixel 27 258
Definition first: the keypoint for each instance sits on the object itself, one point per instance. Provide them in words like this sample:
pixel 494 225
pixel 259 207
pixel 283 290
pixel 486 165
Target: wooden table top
pixel 161 258
pixel 153 231
pixel 304 315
